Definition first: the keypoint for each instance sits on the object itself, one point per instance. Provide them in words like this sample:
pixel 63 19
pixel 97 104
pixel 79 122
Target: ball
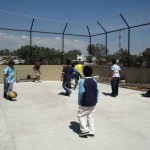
pixel 13 94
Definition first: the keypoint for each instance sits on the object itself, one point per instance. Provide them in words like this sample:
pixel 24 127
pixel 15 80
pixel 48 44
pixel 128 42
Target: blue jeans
pixel 8 88
pixel 67 85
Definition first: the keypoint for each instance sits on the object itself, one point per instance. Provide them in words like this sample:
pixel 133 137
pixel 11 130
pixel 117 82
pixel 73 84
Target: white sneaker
pixel 36 81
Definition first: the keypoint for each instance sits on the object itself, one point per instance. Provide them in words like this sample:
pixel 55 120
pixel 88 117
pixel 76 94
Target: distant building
pixel 5 59
pixel 81 58
pixel 17 60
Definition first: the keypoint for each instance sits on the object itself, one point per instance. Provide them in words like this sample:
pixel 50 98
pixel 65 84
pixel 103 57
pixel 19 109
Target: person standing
pixel 36 69
pixel 87 100
pixel 79 67
pixel 75 76
pixel 9 79
pixel 115 77
pixel 66 77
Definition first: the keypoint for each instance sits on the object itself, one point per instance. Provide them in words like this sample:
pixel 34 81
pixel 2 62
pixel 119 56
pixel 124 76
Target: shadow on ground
pixel 75 127
pixel 106 94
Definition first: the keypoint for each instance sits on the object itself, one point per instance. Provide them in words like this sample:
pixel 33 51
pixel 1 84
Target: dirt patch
pixel 133 86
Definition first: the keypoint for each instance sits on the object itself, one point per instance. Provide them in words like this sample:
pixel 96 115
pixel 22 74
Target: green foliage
pixel 97 50
pixel 72 54
pixel 50 56
pixel 89 59
pixel 146 55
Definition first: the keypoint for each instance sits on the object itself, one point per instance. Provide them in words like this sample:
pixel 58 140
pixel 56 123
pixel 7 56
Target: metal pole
pixel 128 38
pixel 89 37
pixel 31 32
pixel 105 38
pixel 63 35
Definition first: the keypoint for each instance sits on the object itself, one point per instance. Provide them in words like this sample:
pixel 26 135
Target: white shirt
pixel 116 70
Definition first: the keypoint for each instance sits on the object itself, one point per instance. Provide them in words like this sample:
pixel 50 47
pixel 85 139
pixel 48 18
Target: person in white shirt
pixel 116 70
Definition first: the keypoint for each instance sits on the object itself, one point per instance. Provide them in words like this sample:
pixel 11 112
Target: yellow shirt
pixel 79 67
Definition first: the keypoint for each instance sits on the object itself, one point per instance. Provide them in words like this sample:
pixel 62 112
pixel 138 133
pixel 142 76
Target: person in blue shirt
pixel 87 100
pixel 9 79
pixel 66 77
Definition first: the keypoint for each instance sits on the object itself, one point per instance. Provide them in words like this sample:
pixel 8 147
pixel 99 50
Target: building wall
pixel 53 73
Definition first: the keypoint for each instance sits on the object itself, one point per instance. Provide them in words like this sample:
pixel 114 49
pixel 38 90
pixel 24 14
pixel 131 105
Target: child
pixel 36 69
pixel 75 76
pixel 87 100
pixel 79 67
pixel 9 79
pixel 116 70
pixel 66 77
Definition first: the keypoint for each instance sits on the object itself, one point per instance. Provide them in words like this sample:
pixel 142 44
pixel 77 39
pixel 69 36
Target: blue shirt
pixel 67 70
pixel 9 73
pixel 76 74
pixel 88 92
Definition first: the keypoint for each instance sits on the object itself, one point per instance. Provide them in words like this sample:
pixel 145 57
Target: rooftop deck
pixel 41 119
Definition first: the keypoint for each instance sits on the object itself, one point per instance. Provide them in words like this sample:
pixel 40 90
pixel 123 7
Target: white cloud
pixel 12 42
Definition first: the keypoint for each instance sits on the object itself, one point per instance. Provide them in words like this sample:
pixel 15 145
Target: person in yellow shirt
pixel 79 67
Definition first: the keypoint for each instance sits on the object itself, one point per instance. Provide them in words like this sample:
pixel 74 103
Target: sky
pixel 79 14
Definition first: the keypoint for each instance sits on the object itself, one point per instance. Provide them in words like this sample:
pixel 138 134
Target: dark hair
pixel 76 63
pixel 68 62
pixel 88 71
pixel 11 62
pixel 73 64
pixel 113 61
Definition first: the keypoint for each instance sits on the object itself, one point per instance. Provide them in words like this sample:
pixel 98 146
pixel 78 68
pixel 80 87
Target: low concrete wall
pixel 53 73
pixel 49 72
pixel 130 75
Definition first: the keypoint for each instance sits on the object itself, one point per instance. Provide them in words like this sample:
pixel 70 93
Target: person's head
pixel 41 61
pixel 68 62
pixel 76 63
pixel 73 64
pixel 11 63
pixel 87 71
pixel 113 61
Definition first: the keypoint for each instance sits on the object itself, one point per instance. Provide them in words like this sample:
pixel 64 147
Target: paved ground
pixel 41 119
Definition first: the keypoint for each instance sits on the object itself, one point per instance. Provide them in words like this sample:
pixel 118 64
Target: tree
pixel 98 50
pixel 50 56
pixel 122 56
pixel 72 54
pixel 146 55
pixel 89 59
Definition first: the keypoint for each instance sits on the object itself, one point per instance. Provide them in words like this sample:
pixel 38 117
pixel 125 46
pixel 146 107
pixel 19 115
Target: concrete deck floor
pixel 41 119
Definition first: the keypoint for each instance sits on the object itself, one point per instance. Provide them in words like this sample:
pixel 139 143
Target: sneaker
pixel 145 95
pixel 69 93
pixel 83 134
pixel 112 95
pixel 36 81
pixel 9 98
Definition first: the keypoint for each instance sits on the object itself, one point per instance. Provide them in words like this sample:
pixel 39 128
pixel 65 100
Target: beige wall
pixel 131 75
pixel 49 72
pixel 53 73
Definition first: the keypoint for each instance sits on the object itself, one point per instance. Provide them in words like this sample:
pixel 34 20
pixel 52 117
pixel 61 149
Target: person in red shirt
pixel 36 69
